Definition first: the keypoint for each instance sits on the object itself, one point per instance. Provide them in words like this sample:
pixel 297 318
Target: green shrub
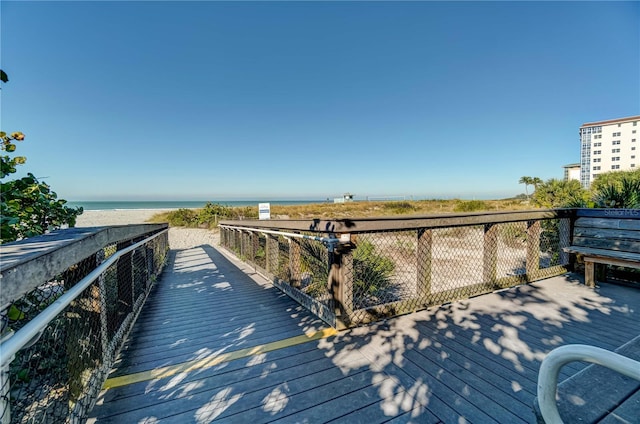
pixel 371 271
pixel 555 193
pixel 471 206
pixel 399 207
pixel 624 193
pixel 183 218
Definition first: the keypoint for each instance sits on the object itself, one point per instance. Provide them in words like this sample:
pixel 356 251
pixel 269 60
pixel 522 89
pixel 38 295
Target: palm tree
pixel 535 181
pixel 526 181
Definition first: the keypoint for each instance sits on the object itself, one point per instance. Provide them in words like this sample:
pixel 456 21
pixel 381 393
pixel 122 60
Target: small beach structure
pixel 346 198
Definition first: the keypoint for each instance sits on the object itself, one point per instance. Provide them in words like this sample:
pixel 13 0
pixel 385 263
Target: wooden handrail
pixel 359 225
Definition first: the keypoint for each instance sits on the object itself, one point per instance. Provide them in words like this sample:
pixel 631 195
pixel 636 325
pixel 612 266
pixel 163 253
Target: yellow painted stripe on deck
pixel 171 370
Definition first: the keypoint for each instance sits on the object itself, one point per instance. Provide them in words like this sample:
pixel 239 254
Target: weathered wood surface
pixel 611 240
pixel 597 391
pixel 633 259
pixel 398 223
pixel 29 263
pixel 470 361
pixel 611 234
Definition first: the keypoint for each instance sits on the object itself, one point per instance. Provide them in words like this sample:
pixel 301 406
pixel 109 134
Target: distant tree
pixel 527 181
pixel 28 207
pixel 556 193
pixel 535 182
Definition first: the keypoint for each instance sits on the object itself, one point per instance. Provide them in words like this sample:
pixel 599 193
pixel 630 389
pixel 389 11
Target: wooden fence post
pixel 341 282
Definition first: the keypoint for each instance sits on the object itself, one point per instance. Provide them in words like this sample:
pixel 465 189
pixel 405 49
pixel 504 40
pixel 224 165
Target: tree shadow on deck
pixel 473 360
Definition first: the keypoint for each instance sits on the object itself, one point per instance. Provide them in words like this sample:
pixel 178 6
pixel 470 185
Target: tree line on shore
pixel 615 189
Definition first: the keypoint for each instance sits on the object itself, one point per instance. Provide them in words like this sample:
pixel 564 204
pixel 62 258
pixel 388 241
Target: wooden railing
pixel 390 266
pixel 68 300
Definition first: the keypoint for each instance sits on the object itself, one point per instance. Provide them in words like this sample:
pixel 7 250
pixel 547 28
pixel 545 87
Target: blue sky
pixel 308 100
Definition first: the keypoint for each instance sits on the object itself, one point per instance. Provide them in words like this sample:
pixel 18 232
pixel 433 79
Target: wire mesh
pixel 57 376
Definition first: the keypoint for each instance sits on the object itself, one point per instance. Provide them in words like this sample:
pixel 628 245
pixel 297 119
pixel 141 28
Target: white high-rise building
pixel 607 146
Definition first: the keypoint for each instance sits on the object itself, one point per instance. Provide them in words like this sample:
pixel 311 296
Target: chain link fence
pixel 56 377
pixel 386 271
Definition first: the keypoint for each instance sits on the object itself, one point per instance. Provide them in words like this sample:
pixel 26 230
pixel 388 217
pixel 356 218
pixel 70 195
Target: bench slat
pixel 610 223
pixel 607 244
pixel 605 233
pixel 604 253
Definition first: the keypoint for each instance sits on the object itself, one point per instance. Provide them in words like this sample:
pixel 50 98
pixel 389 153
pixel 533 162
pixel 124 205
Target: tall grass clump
pixel 206 217
pixel 399 208
pixel 470 206
pixel 371 271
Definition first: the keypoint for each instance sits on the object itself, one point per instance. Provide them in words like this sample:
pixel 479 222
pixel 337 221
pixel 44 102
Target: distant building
pixel 347 197
pixel 608 146
pixel 572 172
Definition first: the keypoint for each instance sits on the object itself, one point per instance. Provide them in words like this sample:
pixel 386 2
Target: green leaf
pixel 3 76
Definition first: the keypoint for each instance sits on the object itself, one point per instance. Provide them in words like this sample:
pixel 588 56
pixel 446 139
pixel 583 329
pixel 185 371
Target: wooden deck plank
pixel 370 414
pixel 627 413
pixel 253 386
pixel 469 361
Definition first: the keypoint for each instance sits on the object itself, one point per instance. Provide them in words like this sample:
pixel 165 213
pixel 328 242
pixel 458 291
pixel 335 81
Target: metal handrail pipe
pixel 331 241
pixel 557 358
pixel 31 330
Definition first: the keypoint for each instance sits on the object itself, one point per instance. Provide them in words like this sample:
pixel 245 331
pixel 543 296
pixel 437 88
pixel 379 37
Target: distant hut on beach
pixel 347 197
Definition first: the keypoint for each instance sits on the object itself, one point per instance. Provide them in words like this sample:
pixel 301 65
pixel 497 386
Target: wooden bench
pixel 606 237
pixel 597 394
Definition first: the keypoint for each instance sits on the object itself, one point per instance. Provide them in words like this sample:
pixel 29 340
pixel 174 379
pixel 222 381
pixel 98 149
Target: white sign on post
pixel 264 211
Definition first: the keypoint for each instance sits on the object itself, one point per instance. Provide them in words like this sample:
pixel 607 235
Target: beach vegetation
pixel 206 217
pixel 210 215
pixel 618 189
pixel 470 206
pixel 372 272
pixel 555 193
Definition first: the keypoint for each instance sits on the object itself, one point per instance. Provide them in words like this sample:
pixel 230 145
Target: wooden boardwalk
pixel 215 343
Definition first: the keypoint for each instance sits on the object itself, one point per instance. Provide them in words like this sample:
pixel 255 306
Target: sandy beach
pixel 115 217
pixel 179 238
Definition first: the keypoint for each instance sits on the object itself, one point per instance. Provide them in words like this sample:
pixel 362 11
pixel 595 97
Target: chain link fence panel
pixel 57 376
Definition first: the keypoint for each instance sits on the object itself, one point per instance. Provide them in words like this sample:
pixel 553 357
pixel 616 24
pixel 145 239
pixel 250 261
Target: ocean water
pixel 105 205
